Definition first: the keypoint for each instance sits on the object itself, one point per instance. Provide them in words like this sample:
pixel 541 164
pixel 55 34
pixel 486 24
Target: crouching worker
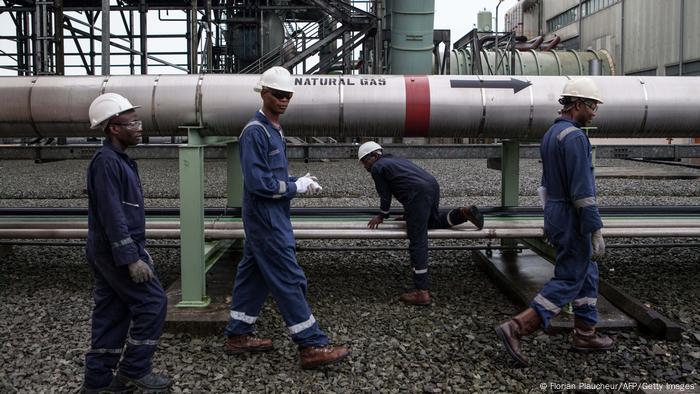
pixel 419 193
pixel 130 304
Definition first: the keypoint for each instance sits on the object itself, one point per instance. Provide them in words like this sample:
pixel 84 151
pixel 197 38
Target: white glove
pixel 598 244
pixel 308 175
pixel 314 188
pixel 303 184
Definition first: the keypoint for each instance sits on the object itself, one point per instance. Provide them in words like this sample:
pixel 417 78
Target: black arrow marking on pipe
pixel 515 84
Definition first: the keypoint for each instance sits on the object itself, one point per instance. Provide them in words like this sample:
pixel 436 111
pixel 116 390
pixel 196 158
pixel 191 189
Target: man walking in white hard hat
pixel 419 193
pixel 130 304
pixel 269 262
pixel 572 224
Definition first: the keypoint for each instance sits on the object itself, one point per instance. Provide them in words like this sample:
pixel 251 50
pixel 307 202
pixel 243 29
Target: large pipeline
pixel 360 105
pixel 531 62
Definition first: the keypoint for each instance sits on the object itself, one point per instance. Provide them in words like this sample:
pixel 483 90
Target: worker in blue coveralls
pixel 130 303
pixel 572 224
pixel 419 193
pixel 269 262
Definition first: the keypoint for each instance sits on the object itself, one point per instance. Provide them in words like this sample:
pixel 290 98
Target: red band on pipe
pixel 417 106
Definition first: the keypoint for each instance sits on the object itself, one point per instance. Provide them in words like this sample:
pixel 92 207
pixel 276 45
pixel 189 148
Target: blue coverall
pixel 269 262
pixel 125 311
pixel 419 193
pixel 567 174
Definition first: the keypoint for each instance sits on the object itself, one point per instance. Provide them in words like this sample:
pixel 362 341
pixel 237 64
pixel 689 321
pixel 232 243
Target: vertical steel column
pixel 234 176
pixel 209 43
pixel 27 42
pixel 59 65
pixel 43 38
pixel 192 261
pixel 377 49
pixel 188 38
pixel 19 32
pixel 143 31
pixel 92 18
pixel 105 50
pixel 58 34
pixel 681 33
pixel 36 52
pixel 132 69
pixel 194 42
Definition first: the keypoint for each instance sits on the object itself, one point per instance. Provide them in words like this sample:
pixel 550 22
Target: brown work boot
pixel 315 357
pixel 416 297
pixel 514 329
pixel 472 214
pixel 586 340
pixel 247 343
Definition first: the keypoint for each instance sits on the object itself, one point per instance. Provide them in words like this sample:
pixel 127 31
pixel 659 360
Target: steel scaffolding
pixel 93 37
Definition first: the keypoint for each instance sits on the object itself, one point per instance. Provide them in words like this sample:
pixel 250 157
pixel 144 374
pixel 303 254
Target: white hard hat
pixel 367 148
pixel 277 78
pixel 583 88
pixel 107 105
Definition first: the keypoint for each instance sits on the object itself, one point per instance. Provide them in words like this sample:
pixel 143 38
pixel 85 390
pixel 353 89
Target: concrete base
pixel 522 278
pixel 212 319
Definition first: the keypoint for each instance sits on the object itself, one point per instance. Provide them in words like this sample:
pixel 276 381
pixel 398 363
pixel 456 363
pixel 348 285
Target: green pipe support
pixel 234 176
pixel 196 255
pixel 192 256
pixel 510 186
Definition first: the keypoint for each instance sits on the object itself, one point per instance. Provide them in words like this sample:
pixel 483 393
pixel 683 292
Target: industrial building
pixel 621 28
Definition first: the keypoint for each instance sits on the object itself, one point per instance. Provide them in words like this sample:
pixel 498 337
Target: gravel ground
pixel 448 347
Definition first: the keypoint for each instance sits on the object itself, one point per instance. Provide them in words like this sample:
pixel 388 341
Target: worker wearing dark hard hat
pixel 572 224
pixel 269 262
pixel 130 303
pixel 419 193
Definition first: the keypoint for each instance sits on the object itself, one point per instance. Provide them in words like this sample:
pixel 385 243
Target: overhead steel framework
pixel 203 36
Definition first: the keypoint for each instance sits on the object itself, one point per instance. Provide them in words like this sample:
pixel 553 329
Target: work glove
pixel 303 184
pixel 311 188
pixel 140 271
pixel 598 244
pixel 308 175
pixel 314 188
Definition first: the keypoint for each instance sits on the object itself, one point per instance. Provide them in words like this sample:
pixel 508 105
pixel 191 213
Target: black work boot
pixel 472 214
pixel 151 383
pixel 514 329
pixel 116 386
pixel 587 341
